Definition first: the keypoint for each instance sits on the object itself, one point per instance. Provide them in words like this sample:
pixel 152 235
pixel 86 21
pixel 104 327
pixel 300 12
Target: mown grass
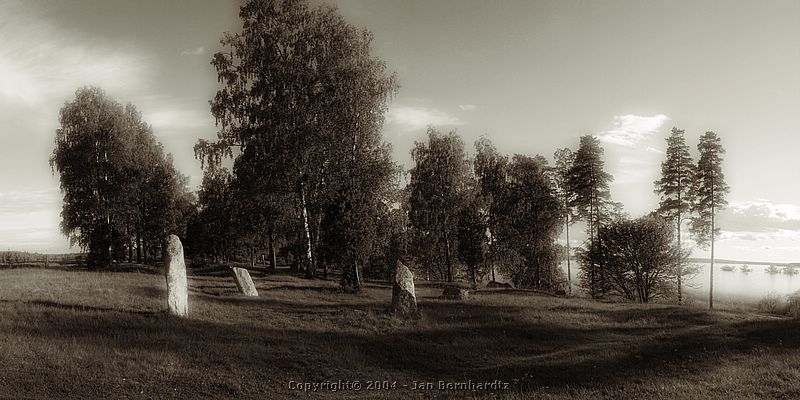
pixel 79 334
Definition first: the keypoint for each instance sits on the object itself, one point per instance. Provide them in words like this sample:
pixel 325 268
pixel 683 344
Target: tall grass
pixel 104 335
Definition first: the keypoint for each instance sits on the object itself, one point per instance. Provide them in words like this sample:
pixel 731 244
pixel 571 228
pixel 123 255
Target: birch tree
pixel 491 171
pixel 119 187
pixel 302 95
pixel 440 182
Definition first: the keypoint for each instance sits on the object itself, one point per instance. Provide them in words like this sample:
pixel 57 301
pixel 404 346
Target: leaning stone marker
pixel 243 281
pixel 404 300
pixel 175 270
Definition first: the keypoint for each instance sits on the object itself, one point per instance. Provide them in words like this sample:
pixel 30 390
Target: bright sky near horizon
pixel 531 75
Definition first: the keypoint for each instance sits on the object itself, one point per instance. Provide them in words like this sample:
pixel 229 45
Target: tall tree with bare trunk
pixel 710 190
pixel 675 189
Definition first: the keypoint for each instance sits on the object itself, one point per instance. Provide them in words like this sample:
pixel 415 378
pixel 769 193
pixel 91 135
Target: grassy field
pixel 78 334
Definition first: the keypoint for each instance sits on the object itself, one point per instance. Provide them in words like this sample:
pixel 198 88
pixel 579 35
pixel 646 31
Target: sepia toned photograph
pixel 399 199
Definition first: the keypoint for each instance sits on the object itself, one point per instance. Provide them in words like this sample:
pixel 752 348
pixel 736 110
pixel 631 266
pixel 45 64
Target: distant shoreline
pixel 724 261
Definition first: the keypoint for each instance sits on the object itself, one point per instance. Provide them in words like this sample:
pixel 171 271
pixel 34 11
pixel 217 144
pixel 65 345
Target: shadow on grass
pixel 461 340
pixel 317 289
pixel 85 308
pixel 134 268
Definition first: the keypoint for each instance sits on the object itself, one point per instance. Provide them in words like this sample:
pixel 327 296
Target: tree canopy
pixel 439 189
pixel 120 190
pixel 303 99
pixel 638 257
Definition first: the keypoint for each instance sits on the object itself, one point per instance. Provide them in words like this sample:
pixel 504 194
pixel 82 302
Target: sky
pixel 533 76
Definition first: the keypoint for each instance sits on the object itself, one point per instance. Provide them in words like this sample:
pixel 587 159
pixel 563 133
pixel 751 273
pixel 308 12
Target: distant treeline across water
pixel 24 258
pixel 720 261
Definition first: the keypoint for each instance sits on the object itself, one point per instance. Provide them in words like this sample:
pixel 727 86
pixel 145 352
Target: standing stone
pixel 175 270
pixel 455 293
pixel 404 299
pixel 244 282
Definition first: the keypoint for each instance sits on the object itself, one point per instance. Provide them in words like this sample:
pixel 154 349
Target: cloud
pixel 760 236
pixel 29 220
pixel 194 52
pixel 176 119
pixel 16 202
pixel 761 216
pixel 415 118
pixel 42 64
pixel 631 130
pixel 467 107
pixel 634 154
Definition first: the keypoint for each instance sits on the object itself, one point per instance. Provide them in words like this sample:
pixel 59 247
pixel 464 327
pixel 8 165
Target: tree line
pixel 121 193
pixel 299 172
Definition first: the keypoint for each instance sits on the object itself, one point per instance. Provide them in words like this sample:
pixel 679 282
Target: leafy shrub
pixel 793 305
pixel 772 304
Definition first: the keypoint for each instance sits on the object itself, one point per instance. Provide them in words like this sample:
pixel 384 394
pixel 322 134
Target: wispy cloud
pixel 631 130
pixel 467 107
pixel 415 118
pixel 17 202
pixel 29 221
pixel 760 215
pixel 165 121
pixel 41 63
pixel 194 52
pixel 634 153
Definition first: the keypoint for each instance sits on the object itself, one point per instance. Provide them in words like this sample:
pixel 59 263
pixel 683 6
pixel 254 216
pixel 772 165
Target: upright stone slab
pixel 455 293
pixel 244 282
pixel 404 299
pixel 175 270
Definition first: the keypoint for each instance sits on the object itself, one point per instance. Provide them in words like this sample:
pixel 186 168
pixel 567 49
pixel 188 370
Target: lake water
pixel 752 285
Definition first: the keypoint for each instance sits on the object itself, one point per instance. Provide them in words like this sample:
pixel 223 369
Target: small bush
pixel 793 305
pixel 771 304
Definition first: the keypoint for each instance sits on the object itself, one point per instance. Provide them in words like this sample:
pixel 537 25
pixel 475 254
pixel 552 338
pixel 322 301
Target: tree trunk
pixel 273 260
pixel 138 247
pixel 448 255
pixel 592 280
pixel 680 266
pixel 474 278
pixel 711 275
pixel 569 271
pixel 310 267
pixel 316 240
pixel 252 256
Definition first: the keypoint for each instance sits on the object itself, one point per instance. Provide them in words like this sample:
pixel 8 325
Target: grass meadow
pixel 80 334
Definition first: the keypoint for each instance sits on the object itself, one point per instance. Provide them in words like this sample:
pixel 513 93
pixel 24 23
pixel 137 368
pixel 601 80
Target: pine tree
pixel 675 188
pixel 589 183
pixel 564 158
pixel 709 193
